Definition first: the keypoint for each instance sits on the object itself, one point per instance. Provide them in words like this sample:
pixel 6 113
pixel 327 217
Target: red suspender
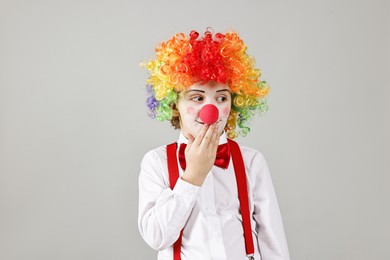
pixel 173 171
pixel 239 169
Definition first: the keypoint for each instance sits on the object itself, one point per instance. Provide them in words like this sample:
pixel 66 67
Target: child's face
pixel 198 95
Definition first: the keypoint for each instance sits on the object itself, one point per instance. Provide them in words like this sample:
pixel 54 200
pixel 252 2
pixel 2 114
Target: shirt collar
pixel 183 140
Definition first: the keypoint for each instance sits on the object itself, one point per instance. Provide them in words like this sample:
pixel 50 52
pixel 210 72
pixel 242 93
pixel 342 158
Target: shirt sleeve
pixel 269 225
pixel 162 212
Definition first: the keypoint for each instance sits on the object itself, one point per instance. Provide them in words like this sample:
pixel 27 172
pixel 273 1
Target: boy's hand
pixel 200 154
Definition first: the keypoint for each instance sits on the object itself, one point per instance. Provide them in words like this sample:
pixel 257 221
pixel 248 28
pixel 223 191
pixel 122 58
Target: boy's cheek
pixel 226 111
pixel 190 110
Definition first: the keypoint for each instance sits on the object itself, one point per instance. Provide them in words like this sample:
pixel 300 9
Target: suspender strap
pixel 239 169
pixel 173 172
pixel 173 169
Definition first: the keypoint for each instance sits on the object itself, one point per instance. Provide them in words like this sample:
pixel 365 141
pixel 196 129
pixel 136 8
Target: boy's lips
pixel 202 123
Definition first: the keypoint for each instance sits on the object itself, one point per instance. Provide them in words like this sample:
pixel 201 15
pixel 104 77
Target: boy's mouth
pixel 202 123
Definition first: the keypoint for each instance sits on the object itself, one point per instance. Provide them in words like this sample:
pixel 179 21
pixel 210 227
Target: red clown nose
pixel 209 114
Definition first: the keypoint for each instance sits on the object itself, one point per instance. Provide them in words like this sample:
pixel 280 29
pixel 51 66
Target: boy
pixel 190 208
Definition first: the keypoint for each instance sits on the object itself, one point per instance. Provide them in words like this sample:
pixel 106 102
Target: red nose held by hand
pixel 209 114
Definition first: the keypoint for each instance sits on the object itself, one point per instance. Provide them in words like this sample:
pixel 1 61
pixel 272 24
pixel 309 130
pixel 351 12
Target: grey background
pixel 73 125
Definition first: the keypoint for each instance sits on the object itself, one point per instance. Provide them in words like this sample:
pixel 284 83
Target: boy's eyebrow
pixel 202 91
pixel 195 90
pixel 223 90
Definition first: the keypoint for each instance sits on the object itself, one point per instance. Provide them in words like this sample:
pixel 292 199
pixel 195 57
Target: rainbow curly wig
pixel 183 61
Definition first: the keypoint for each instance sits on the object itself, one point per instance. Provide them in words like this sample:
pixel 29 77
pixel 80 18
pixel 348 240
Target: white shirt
pixel 209 214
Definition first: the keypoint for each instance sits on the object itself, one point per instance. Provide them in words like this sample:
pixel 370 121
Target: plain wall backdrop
pixel 73 123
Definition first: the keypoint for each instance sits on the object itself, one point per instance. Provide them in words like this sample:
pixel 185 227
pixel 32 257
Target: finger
pixel 208 136
pixel 200 136
pixel 212 146
pixel 217 135
pixel 215 138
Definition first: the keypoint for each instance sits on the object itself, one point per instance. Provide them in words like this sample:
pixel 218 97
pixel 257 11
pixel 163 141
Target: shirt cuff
pixel 186 190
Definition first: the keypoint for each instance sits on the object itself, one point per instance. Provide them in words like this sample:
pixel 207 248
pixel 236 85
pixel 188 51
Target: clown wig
pixel 185 60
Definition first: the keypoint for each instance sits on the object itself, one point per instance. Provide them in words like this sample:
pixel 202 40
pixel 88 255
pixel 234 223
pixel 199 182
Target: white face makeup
pixel 198 95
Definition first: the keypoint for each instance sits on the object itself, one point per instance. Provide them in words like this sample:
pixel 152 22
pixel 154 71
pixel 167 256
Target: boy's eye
pixel 197 98
pixel 221 98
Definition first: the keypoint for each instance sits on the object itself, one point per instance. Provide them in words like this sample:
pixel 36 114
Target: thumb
pixel 191 139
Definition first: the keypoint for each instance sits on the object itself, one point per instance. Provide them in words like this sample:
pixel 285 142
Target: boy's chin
pixel 193 132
